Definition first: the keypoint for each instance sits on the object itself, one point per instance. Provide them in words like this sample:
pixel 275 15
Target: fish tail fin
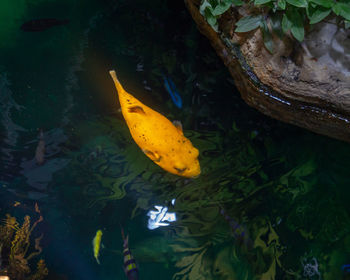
pixel 125 239
pixel 97 260
pixel 117 84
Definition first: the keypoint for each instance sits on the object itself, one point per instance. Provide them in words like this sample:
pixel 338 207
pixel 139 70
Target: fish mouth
pixel 180 170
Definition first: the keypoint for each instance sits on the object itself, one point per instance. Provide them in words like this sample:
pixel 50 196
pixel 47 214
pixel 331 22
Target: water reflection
pixel 160 217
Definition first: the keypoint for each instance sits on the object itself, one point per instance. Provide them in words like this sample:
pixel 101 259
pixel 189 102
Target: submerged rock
pixel 305 84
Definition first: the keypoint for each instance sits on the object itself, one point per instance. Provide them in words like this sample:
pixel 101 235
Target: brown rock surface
pixel 306 84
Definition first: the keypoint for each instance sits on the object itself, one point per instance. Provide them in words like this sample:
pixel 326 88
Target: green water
pixel 285 188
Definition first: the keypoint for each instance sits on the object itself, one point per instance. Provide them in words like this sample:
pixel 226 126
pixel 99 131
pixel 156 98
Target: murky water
pixel 272 199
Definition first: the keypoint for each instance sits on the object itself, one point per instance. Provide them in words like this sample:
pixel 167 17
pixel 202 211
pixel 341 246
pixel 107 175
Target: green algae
pixel 202 245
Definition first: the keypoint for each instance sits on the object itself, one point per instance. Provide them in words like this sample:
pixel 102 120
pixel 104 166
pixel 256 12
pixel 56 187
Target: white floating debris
pixel 158 218
pixel 173 201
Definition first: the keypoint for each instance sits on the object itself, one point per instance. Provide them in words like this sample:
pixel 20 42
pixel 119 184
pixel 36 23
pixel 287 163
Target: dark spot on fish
pixel 136 109
pixel 189 152
pixel 178 141
pixel 183 141
pixel 172 149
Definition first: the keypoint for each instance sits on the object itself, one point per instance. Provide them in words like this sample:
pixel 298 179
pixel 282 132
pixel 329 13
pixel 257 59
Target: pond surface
pixel 272 201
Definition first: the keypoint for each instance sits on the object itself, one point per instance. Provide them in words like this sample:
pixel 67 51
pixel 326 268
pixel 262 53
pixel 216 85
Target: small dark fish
pixel 130 268
pixel 37 25
pixel 40 149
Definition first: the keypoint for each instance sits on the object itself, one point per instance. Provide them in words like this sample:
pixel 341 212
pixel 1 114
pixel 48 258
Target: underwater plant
pixel 15 255
pixel 278 17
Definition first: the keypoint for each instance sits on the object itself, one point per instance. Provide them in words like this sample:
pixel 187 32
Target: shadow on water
pixel 271 202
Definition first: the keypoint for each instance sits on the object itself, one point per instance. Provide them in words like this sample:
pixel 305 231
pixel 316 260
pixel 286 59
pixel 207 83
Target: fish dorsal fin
pixel 153 155
pixel 178 125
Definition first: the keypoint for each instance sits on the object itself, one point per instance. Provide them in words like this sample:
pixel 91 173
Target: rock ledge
pixel 306 84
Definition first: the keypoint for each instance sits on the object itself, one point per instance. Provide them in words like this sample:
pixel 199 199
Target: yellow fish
pixel 160 139
pixel 96 245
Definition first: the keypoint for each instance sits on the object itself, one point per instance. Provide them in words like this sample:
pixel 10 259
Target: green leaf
pixel 248 23
pixel 286 24
pixel 206 10
pixel 267 36
pixel 205 6
pixel 342 9
pixel 323 3
pixel 347 24
pixel 297 25
pixel 211 20
pixel 276 24
pixel 221 8
pixel 346 11
pixel 234 127
pixel 317 14
pixel 260 2
pixel 281 4
pixel 298 3
pixel 237 2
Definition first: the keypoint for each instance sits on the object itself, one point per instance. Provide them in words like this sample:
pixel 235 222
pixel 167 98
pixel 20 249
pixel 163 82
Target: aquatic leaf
pixel 41 271
pixel 281 4
pixel 267 36
pixel 207 10
pixel 192 266
pixel 298 3
pixel 248 23
pixel 323 3
pixel 305 169
pixel 260 2
pixel 286 23
pixel 221 8
pixel 347 24
pixel 342 9
pixel 297 28
pixel 276 24
pixel 317 14
pixel 237 2
pixel 211 19
pixel 206 5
